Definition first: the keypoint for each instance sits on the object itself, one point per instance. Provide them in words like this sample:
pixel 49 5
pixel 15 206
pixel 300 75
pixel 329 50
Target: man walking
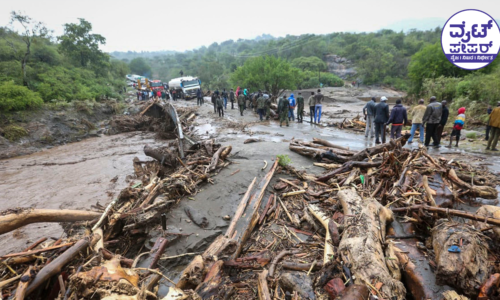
pixel 283 109
pixel 261 103
pixel 300 108
pixel 214 101
pixel 317 112
pixel 431 118
pixel 398 118
pixel 291 116
pixel 444 119
pixel 312 107
pixel 220 106
pixel 494 123
pixel 369 112
pixel 418 115
pixel 231 98
pixel 381 118
pixel 241 102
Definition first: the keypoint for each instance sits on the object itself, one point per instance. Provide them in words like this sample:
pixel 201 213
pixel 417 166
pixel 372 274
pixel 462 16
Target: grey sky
pixel 151 25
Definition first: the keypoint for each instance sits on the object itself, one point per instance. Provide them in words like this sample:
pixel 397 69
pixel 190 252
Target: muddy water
pixel 73 176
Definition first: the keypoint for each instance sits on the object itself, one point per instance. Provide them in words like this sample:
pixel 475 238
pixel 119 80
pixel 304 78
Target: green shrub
pixel 471 135
pixel 15 97
pixel 86 106
pixel 284 160
pixel 14 133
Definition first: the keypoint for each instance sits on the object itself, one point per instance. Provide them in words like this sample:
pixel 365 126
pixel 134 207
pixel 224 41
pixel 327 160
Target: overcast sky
pixel 151 25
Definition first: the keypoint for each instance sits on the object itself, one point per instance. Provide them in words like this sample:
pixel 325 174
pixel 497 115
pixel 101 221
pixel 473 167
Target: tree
pixel 32 30
pixel 311 63
pixel 267 73
pixel 140 66
pixel 78 43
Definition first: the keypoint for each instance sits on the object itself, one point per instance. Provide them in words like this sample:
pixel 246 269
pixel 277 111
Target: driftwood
pixel 221 153
pixel 57 264
pixel 324 220
pixel 262 286
pixel 485 192
pixel 453 212
pixel 24 282
pixel 348 166
pixel 361 245
pixel 328 144
pixel 13 221
pixel 467 269
pixel 391 145
pixel 240 209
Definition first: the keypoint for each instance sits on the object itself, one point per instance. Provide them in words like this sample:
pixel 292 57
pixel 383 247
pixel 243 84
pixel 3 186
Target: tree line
pixel 37 67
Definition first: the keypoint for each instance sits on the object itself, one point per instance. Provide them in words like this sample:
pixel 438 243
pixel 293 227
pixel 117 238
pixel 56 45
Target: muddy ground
pixel 78 175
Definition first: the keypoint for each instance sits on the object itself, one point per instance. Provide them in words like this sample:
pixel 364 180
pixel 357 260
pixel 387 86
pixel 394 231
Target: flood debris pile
pixel 356 124
pixel 378 224
pixel 107 253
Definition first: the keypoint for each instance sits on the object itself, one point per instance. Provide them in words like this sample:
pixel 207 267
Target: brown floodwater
pixel 72 176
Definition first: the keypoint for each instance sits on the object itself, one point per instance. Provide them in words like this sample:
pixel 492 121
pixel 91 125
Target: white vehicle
pixel 187 85
pixel 133 78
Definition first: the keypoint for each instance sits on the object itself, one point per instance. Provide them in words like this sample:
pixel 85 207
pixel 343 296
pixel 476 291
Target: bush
pixel 14 133
pixel 284 160
pixel 15 97
pixel 471 135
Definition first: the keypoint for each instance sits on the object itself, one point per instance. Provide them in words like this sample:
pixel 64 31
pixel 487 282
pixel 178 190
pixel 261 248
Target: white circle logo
pixel 471 39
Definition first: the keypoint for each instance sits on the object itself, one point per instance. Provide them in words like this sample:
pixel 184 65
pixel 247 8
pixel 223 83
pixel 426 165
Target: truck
pixel 187 86
pixel 156 85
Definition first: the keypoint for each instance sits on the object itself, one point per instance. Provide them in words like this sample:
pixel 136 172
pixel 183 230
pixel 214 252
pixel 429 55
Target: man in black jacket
pixel 431 120
pixel 398 118
pixel 381 118
pixel 442 123
pixel 232 98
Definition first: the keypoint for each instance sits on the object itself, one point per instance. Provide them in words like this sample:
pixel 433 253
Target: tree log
pixel 361 155
pixel 361 245
pixel 262 286
pixel 466 269
pixel 328 144
pixel 240 209
pixel 13 221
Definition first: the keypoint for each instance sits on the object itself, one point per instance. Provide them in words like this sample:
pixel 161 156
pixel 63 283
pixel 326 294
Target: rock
pixel 93 133
pixel 227 217
pixel 340 66
pixel 334 287
pixel 300 282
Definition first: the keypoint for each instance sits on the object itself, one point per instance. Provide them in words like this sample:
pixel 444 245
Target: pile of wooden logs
pixel 332 236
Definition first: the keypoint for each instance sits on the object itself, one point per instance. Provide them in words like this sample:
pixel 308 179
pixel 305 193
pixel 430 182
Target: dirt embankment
pixel 26 132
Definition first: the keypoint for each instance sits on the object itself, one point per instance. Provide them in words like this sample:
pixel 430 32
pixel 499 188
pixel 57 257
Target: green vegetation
pixel 283 160
pixel 17 97
pixel 14 133
pixel 471 135
pixel 140 66
pixel 36 68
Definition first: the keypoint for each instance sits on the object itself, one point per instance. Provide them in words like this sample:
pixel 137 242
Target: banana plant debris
pixel 381 223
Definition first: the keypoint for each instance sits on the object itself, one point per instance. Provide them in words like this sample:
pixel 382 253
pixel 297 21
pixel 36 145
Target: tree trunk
pixel 15 220
pixel 361 245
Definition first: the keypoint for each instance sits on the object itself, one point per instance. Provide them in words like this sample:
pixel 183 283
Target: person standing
pixel 300 108
pixel 398 119
pixel 241 102
pixel 214 102
pixel 181 73
pixel 174 95
pixel 138 96
pixel 199 97
pixel 291 116
pixel 158 95
pixel 444 120
pixel 267 99
pixel 283 109
pixel 431 119
pixel 418 114
pixel 317 112
pixel 494 123
pixel 261 104
pixel 381 118
pixel 224 96
pixel 220 106
pixel 488 128
pixel 312 107
pixel 369 112
pixel 457 126
pixel 231 98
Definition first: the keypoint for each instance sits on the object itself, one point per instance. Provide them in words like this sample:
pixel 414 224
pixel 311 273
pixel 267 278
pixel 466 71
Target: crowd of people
pixel 156 94
pixel 428 120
